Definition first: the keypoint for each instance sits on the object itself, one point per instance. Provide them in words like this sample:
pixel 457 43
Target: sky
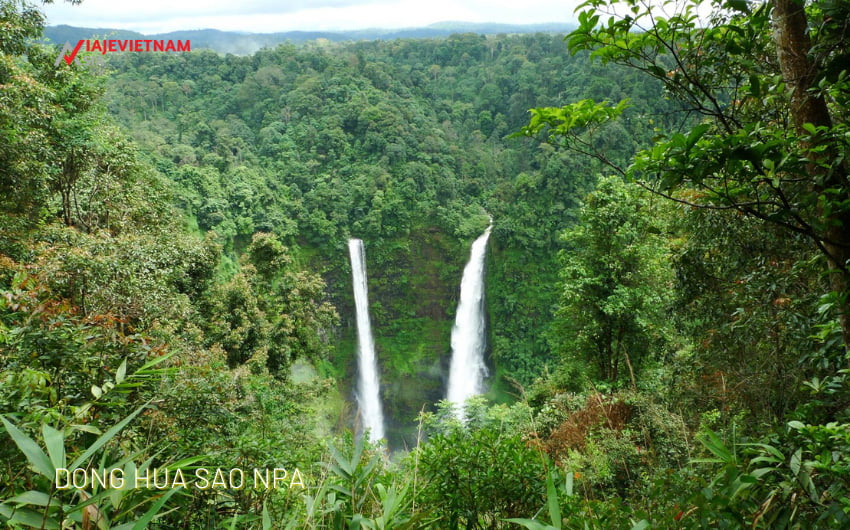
pixel 267 16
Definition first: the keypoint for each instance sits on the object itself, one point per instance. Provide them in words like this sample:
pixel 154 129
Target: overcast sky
pixel 265 16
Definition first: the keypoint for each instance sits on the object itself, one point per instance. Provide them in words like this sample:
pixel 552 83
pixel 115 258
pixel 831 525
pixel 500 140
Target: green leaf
pixel 713 443
pixel 776 453
pixel 695 134
pixel 33 519
pixel 760 472
pixel 39 461
pixel 755 86
pixel 37 498
pixel 796 460
pixel 343 467
pixel 87 428
pixel 188 461
pixel 121 374
pixel 552 498
pixel 55 442
pixel 108 435
pixel 267 520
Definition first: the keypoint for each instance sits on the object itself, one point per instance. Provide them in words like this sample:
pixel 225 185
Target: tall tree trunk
pixel 793 47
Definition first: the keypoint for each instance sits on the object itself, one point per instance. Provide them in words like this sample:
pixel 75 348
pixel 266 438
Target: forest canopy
pixel 667 313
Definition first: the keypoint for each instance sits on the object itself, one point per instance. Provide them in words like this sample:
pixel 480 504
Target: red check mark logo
pixel 70 58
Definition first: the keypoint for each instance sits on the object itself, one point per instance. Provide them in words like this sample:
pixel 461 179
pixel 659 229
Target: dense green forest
pixel 399 143
pixel 666 289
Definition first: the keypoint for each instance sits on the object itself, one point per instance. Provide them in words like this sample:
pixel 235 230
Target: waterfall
pixel 368 387
pixel 467 372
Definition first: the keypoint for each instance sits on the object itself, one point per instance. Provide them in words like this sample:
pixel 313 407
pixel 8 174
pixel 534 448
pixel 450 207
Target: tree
pixel 748 296
pixel 270 313
pixel 765 92
pixel 480 472
pixel 616 282
pixel 23 114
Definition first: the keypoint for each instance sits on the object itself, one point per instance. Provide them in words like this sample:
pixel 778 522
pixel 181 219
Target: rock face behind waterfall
pixel 368 384
pixel 468 370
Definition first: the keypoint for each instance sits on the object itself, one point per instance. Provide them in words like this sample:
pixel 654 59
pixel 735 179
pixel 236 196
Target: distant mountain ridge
pixel 240 43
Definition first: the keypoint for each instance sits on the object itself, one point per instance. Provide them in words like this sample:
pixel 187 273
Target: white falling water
pixel 467 372
pixel 368 387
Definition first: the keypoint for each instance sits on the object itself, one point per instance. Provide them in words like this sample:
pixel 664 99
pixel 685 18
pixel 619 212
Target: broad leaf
pixel 39 461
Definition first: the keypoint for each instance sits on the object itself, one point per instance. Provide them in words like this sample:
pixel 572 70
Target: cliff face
pixel 413 290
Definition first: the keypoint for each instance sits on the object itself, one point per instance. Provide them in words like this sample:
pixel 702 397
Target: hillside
pixel 242 43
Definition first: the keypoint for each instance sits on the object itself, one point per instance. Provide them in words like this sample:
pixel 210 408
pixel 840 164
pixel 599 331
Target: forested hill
pixel 401 143
pixel 667 288
pixel 242 43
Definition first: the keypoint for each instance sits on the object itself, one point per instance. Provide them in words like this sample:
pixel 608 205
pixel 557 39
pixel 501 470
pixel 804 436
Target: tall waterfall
pixel 467 372
pixel 368 387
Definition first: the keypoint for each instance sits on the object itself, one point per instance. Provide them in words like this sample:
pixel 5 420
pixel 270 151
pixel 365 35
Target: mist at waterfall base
pixel 368 385
pixel 468 369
